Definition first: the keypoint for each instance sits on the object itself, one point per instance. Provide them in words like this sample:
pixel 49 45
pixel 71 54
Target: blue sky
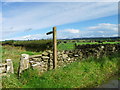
pixel 31 20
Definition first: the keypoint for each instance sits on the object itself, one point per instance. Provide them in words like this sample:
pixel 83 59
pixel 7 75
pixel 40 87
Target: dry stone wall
pixel 6 68
pixel 44 62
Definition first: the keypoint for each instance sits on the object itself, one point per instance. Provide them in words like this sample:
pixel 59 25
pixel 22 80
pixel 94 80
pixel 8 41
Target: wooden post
pixel 54 48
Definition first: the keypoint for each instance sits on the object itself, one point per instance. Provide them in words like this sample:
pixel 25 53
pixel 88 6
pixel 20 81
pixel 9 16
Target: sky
pixel 24 20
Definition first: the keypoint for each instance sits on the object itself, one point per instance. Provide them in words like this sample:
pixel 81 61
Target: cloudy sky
pixel 24 20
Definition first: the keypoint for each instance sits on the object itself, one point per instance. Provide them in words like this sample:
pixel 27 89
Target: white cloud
pixel 115 35
pixel 62 34
pixel 100 30
pixel 72 30
pixel 104 26
pixel 31 37
pixel 103 30
pixel 52 14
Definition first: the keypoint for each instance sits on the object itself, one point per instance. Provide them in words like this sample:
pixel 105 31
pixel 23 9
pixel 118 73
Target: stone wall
pixel 6 68
pixel 44 62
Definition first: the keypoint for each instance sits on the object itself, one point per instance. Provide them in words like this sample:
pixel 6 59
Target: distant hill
pixel 93 38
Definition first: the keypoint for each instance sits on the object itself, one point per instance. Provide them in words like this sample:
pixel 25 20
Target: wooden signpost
pixel 54 47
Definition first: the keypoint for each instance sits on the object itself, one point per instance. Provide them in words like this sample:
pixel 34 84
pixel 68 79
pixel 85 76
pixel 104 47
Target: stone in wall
pixel 24 63
pixel 64 56
pixel 2 68
pixel 9 68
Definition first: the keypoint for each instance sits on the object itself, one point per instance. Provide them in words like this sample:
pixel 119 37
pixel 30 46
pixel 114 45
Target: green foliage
pixel 31 45
pixel 35 45
pixel 11 82
pixel 30 53
pixel 41 45
pixel 8 42
pixel 71 45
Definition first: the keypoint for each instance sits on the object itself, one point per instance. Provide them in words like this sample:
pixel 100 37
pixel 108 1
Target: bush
pixel 8 42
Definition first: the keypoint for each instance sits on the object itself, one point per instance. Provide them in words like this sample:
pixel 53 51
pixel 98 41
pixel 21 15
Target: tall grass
pixel 88 73
pixel 11 52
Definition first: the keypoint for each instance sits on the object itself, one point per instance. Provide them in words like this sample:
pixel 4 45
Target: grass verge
pixel 88 73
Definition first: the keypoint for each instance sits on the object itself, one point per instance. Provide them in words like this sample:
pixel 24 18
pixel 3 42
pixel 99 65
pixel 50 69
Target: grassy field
pixel 41 45
pixel 84 74
pixel 71 45
pixel 66 46
pixel 90 72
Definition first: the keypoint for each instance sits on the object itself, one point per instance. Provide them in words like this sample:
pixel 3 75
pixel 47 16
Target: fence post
pixel 54 48
pixel 24 63
pixel 9 68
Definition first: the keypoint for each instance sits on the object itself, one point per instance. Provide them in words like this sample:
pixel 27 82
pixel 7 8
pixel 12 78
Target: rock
pixel 35 56
pixel 45 54
pixel 36 66
pixel 49 51
pixel 2 70
pixel 51 55
pixel 58 53
pixel 102 47
pixel 36 59
pixel 114 49
pixel 45 57
pixel 24 63
pixel 31 62
pixel 9 68
pixel 64 56
pixel 76 55
pixel 68 59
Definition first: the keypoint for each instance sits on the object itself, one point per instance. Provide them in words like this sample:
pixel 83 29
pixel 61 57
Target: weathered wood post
pixel 54 47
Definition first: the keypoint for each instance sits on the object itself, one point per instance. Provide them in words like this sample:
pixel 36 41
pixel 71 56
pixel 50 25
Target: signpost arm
pixel 54 48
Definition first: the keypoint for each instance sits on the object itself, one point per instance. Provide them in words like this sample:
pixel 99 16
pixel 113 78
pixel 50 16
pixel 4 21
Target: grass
pixel 66 46
pixel 41 45
pixel 71 45
pixel 81 43
pixel 31 45
pixel 89 72
pixel 11 52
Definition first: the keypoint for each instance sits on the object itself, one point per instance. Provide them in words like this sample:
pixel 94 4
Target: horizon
pixel 32 20
pixel 71 38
